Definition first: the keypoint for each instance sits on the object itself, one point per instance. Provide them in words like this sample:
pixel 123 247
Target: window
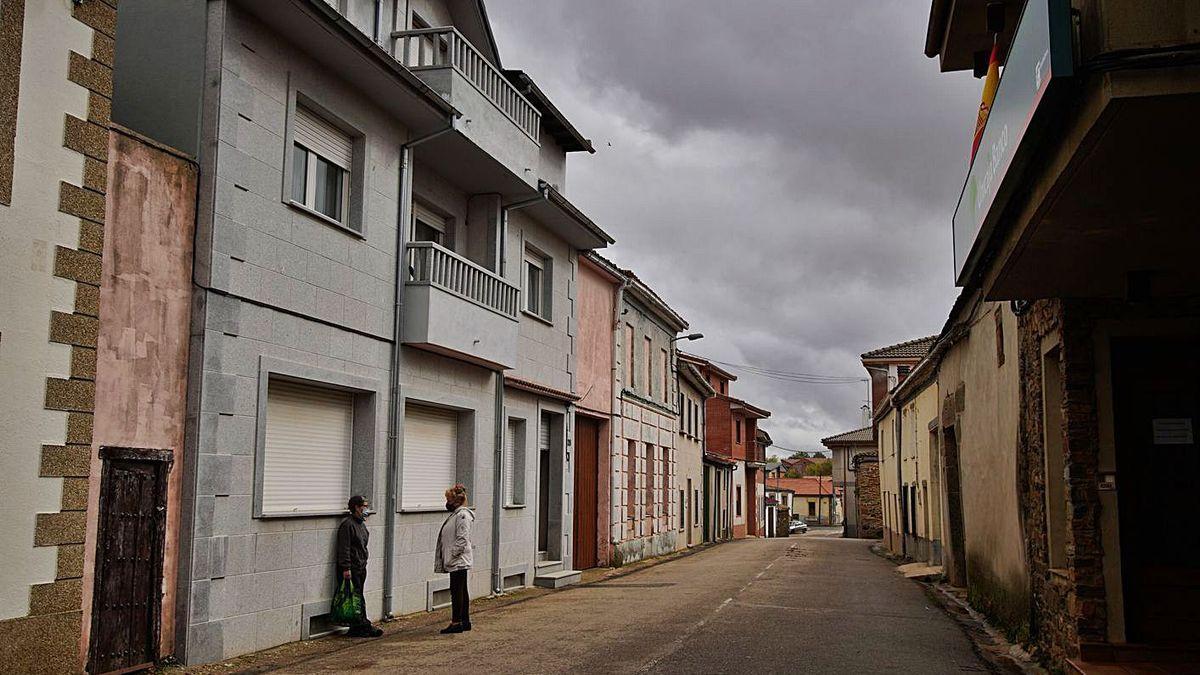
pixel 321 161
pixel 429 464
pixel 664 365
pixel 307 449
pixel 722 386
pixel 812 509
pixel 629 353
pixel 428 226
pixel 682 509
pixel 648 364
pixel 537 284
pixel 631 480
pixel 514 463
pixel 737 426
pixel 738 504
pixel 695 507
pixel 651 471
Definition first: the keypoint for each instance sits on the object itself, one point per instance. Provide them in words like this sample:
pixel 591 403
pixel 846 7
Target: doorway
pixel 956 554
pixel 1156 396
pixel 127 599
pixel 587 492
pixel 543 519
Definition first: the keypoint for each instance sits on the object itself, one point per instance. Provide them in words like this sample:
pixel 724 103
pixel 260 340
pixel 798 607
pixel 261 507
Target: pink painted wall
pixel 594 344
pixel 142 349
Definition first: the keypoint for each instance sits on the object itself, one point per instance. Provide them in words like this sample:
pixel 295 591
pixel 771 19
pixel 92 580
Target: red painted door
pixel 587 478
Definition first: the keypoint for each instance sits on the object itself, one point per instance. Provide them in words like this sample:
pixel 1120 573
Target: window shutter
pixel 306 464
pixel 510 465
pixel 323 138
pixel 544 434
pixel 430 449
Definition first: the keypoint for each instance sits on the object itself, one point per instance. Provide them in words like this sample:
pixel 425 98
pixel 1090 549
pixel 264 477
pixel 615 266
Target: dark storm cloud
pixel 782 171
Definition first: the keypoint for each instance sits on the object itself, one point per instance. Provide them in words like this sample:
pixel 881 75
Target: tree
pixel 800 455
pixel 820 468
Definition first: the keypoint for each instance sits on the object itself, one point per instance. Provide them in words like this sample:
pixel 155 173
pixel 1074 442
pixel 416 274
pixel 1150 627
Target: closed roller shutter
pixel 544 434
pixel 323 138
pixel 306 464
pixel 430 447
pixel 511 498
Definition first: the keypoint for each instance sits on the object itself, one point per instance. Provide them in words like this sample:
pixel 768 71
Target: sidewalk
pixel 295 653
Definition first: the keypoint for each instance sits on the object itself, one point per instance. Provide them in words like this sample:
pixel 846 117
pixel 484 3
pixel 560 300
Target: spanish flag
pixel 990 83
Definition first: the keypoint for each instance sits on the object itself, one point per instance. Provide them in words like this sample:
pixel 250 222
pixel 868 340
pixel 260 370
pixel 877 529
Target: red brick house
pixel 732 433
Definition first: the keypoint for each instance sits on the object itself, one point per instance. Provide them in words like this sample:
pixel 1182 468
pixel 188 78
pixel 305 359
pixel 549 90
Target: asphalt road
pixel 811 604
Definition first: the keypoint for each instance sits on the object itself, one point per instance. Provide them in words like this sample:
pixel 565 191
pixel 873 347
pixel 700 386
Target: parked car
pixel 797 526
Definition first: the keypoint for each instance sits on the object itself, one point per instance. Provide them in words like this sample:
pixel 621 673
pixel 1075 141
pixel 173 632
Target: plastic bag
pixel 346 609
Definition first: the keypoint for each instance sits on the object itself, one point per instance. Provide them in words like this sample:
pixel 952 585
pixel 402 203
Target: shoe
pixel 373 632
pixel 452 628
pixel 466 626
pixel 367 631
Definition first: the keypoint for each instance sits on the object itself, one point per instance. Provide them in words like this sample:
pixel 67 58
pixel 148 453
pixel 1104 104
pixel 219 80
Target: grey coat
pixel 454 551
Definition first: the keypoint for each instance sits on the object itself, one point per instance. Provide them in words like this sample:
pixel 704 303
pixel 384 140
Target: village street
pixel 801 604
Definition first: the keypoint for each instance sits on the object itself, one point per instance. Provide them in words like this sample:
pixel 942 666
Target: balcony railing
pixel 431 264
pixel 428 48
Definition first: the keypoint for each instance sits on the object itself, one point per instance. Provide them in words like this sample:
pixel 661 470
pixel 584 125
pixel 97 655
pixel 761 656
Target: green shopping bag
pixel 347 609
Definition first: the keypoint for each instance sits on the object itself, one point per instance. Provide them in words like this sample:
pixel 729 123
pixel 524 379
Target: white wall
pixel 29 231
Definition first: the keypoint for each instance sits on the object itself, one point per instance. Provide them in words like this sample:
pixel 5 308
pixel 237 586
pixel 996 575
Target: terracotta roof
pixel 863 435
pixel 535 388
pixel 809 486
pixel 912 349
pixel 707 365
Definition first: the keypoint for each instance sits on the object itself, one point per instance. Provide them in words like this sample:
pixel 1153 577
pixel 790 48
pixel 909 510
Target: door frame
pixel 594 543
pixel 162 459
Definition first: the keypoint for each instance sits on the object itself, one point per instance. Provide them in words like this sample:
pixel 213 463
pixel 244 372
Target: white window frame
pixel 514 464
pixel 544 292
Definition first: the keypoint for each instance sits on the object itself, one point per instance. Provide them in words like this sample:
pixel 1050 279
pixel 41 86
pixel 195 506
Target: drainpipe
pixel 615 400
pixel 393 440
pixel 500 421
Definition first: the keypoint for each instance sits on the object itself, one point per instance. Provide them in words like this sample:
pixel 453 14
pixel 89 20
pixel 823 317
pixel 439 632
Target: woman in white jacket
pixel 454 554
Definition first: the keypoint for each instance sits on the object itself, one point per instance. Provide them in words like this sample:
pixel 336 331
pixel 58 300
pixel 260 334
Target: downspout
pixel 500 421
pixel 393 439
pixel 615 402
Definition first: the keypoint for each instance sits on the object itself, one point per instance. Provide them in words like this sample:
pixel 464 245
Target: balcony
pixel 457 308
pixel 496 117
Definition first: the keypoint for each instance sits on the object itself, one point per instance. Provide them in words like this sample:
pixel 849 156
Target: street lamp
pixel 690 336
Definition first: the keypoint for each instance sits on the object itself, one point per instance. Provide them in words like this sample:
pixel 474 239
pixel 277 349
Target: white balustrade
pixel 426 48
pixel 431 264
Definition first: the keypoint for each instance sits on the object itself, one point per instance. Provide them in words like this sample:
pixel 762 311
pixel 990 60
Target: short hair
pixel 457 494
pixel 355 502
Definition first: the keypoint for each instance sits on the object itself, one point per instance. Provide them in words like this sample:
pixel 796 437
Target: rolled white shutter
pixel 510 465
pixel 323 138
pixel 430 447
pixel 306 465
pixel 544 434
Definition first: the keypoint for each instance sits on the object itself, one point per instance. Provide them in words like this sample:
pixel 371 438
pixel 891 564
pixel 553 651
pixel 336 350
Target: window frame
pixel 534 257
pixel 352 219
pixel 365 393
pixel 519 464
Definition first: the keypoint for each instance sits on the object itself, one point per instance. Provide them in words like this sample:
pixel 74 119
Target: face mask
pixel 450 506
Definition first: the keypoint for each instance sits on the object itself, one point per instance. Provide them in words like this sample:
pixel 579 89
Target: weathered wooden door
pixel 1156 391
pixel 587 476
pixel 127 601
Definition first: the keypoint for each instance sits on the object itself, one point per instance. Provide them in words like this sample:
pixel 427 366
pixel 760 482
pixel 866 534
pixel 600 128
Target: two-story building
pixel 386 268
pixel 1076 231
pixel 845 448
pixel 732 439
pixel 694 391
pixel 645 521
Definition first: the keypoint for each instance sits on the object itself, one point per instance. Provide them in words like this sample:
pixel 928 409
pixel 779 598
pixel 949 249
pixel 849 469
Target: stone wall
pixel 866 492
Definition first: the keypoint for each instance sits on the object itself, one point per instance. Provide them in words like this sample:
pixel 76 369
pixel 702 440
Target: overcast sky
pixel 782 172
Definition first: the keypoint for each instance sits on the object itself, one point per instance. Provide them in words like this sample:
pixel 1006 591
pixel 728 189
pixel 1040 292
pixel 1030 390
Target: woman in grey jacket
pixel 454 554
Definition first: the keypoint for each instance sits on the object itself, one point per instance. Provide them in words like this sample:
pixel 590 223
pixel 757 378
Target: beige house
pixel 910 467
pixel 689 450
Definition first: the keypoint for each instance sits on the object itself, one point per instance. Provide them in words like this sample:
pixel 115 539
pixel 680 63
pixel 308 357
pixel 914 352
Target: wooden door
pixel 1156 391
pixel 587 478
pixel 127 601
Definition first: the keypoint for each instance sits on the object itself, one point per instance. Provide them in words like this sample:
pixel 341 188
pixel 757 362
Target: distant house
pixel 812 498
pixel 846 447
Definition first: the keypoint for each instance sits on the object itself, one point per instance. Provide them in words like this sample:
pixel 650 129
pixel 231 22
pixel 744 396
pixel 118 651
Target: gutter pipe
pixel 500 421
pixel 393 439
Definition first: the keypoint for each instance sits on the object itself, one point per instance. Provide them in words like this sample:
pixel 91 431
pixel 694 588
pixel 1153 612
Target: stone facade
pixel 866 488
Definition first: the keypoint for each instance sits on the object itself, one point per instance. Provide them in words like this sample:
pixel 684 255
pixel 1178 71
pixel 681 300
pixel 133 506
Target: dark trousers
pixel 358 578
pixel 460 600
